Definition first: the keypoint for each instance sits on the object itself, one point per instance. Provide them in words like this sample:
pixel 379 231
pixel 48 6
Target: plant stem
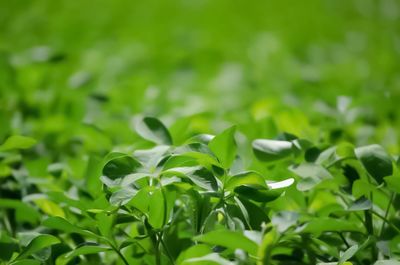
pixel 167 251
pixel 369 221
pixel 387 221
pixel 156 245
pixel 369 225
pixel 119 254
pixel 392 197
pixel 344 240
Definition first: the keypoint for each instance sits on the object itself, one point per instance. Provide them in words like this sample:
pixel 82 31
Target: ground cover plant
pixel 199 132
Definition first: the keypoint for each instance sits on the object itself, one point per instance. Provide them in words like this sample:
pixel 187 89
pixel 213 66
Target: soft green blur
pixel 74 72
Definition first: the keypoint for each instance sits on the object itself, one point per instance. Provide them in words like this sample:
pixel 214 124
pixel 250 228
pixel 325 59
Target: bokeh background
pixel 74 74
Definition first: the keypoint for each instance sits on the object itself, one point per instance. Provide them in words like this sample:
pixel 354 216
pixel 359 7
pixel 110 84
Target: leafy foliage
pixel 185 204
pixel 199 132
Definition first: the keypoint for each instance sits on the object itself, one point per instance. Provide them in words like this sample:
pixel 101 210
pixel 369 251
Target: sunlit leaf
pixel 229 239
pixel 224 146
pixel 272 150
pixel 17 142
pixel 84 250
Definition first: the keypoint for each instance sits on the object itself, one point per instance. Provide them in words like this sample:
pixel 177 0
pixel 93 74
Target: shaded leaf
pixel 257 193
pixel 325 224
pixel 199 175
pixel 120 166
pixel 38 243
pixel 360 205
pixel 376 161
pixel 61 224
pixel 153 130
pixel 84 250
pixel 23 210
pixel 245 178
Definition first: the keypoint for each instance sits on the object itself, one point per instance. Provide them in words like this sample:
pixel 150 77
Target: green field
pixel 200 132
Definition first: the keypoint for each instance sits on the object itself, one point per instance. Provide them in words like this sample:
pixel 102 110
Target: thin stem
pixel 392 197
pixel 348 245
pixel 167 251
pixel 344 240
pixel 156 245
pixel 369 221
pixel 347 204
pixel 119 254
pixel 387 221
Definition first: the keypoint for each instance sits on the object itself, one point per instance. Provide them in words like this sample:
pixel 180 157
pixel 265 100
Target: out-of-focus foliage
pixel 308 174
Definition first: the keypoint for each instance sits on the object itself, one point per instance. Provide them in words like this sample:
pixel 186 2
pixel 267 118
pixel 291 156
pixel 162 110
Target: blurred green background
pixel 75 73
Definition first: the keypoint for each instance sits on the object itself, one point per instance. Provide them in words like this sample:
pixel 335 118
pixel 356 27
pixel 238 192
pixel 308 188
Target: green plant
pixel 197 203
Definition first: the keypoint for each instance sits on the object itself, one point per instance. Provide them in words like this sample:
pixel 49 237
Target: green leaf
pixel 362 187
pixel 311 174
pixel 180 161
pixel 84 250
pixel 348 254
pixel 92 175
pixel 17 142
pixel 153 130
pixel 345 150
pixel 272 150
pixel 387 262
pixel 284 219
pixel 193 252
pixel 199 175
pixel 245 178
pixel 257 193
pixel 360 204
pixel 376 161
pixel 61 224
pixel 267 245
pixel 393 182
pixel 49 207
pixel 224 147
pixel 209 259
pixel 157 209
pixel 24 212
pixel 325 224
pixel 229 239
pixel 38 243
pixel 120 166
pixel 26 262
pixel 142 199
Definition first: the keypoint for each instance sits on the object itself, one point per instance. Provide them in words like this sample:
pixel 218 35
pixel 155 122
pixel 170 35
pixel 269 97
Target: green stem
pixel 387 221
pixel 369 225
pixel 348 246
pixel 310 254
pixel 344 240
pixel 167 251
pixel 369 221
pixel 392 197
pixel 156 245
pixel 119 254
